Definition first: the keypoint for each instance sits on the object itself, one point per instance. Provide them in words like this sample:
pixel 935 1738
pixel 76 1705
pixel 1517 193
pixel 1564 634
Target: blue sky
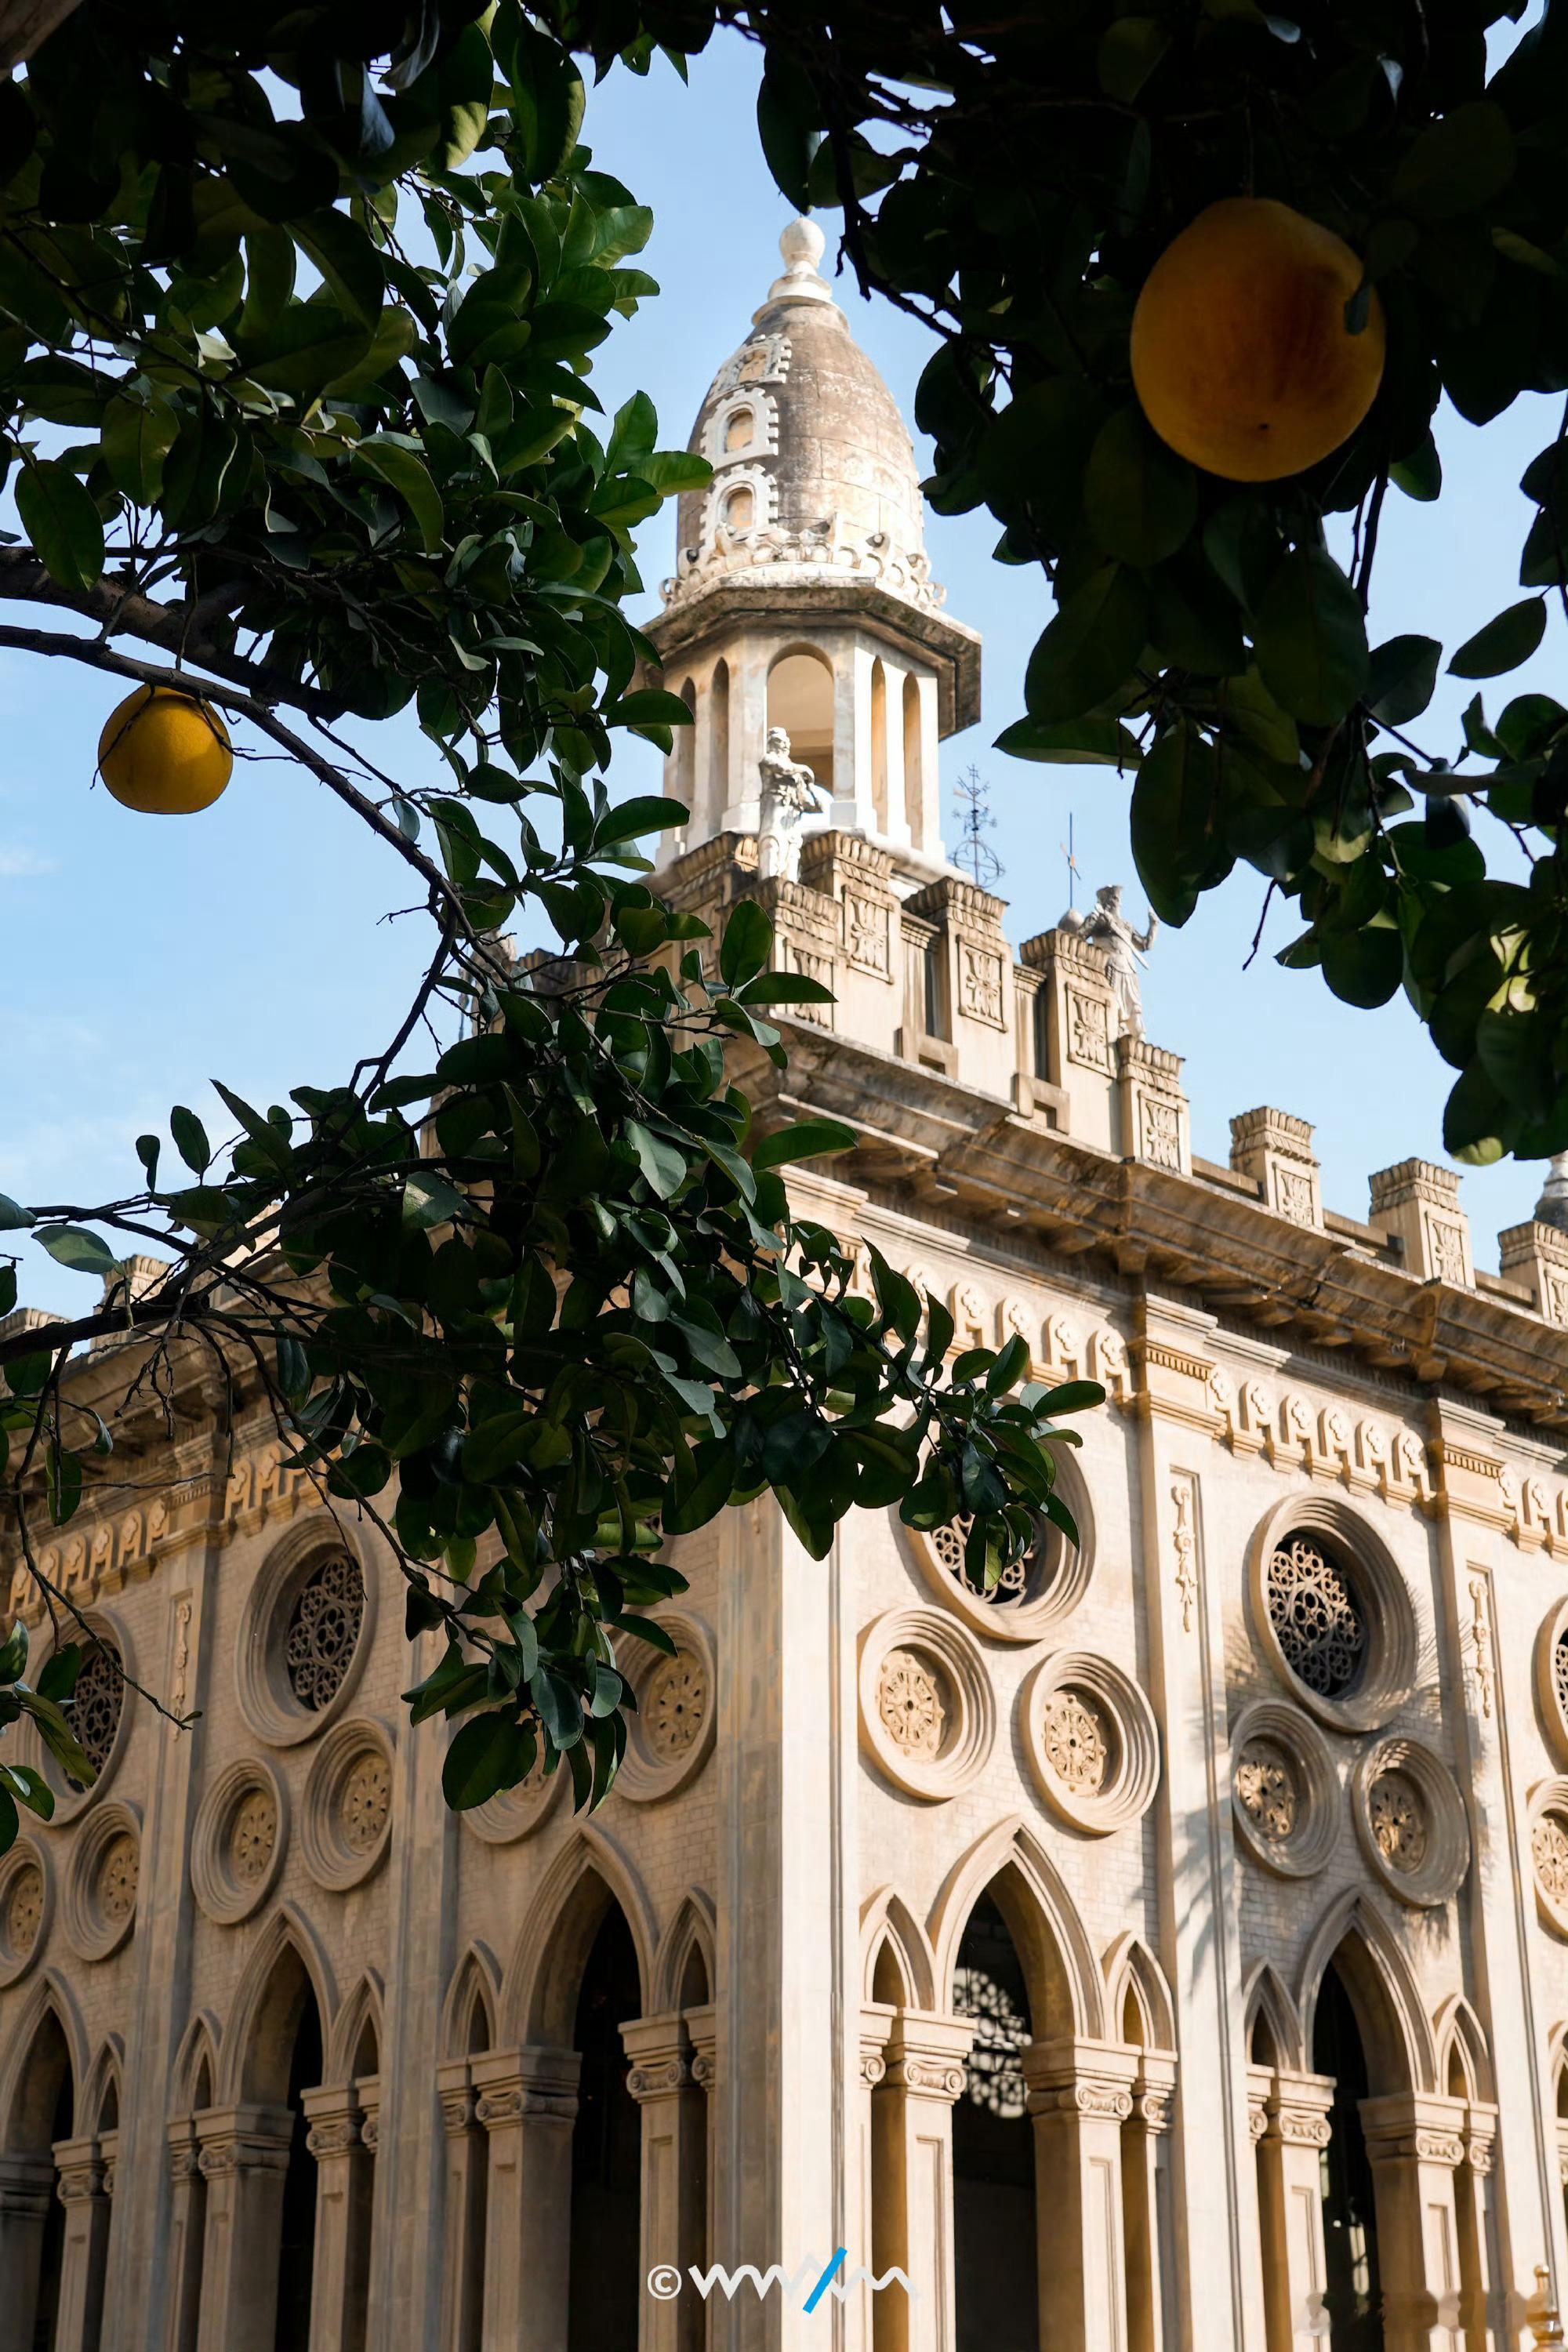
pixel 145 956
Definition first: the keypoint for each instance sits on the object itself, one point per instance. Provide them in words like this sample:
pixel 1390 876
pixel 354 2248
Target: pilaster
pixel 1152 1121
pixel 1290 2128
pixel 344 2179
pixel 187 2221
pixel 244 2160
pixel 912 2223
pixel 1415 2144
pixel 527 2105
pixel 674 2171
pixel 462 2210
pixel 1217 2292
pixel 1079 2095
pixel 84 2190
pixel 27 2192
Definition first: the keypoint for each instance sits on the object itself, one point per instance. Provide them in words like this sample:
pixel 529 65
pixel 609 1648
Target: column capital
pixel 925 2053
pixel 659 2051
pixel 1405 2124
pixel 530 2085
pixel 244 2139
pixel 333 2112
pixel 1077 2076
pixel 80 2164
pixel 703 2025
pixel 1297 2109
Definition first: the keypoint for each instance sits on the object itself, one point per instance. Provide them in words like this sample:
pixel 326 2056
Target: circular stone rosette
pixel 1332 1613
pixel 345 1818
pixel 241 1832
pixel 1039 1594
pixel 1283 1789
pixel 1552 1679
pixel 928 1717
pixel 1548 1851
pixel 26 1906
pixel 98 1905
pixel 1410 1819
pixel 516 1813
pixel 1091 1741
pixel 669 1737
pixel 306 1631
pixel 100 1715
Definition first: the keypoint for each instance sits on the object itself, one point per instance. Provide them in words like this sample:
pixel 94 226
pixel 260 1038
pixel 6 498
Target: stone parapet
pixel 1154 1122
pixel 1276 1150
pixel 1418 1202
pixel 1536 1255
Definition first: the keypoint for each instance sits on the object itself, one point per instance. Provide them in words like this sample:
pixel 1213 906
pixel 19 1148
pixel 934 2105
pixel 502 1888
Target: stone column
pixel 912 2220
pixel 84 2192
pixel 1145 2200
pixel 343 2184
pixel 527 2105
pixel 26 2189
pixel 244 2160
pixel 1290 2121
pixel 1416 2144
pixel 1473 2187
pixel 674 2126
pixel 463 2206
pixel 187 2221
pixel 1079 2095
pixel 702 2026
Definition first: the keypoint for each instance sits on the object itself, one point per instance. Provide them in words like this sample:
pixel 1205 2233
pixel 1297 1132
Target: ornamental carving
pixel 1089 1031
pixel 1293 1195
pixel 866 933
pixel 910 1701
pixel 253 1837
pixel 1447 1245
pixel 365 1803
pixel 116 1877
pixel 1316 1617
pixel 25 1910
pixel 980 983
pixel 1267 1789
pixel 1161 1127
pixel 323 1630
pixel 1549 1851
pixel 1304 2127
pixel 1399 1821
pixel 96 1706
pixel 676 1706
pixel 1185 1542
pixel 1076 1742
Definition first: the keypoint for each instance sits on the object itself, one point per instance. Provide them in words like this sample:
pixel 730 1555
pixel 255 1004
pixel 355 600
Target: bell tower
pixel 802 596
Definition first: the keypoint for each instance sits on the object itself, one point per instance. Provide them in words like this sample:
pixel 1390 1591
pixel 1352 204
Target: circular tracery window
pixel 96 1706
pixel 1317 1614
pixel 323 1630
pixel 1034 1595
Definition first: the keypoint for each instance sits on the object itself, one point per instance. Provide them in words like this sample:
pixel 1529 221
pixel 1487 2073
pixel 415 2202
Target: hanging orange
pixel 1241 356
pixel 164 753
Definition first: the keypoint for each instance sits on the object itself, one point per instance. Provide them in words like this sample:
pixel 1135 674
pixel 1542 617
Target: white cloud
pixel 17 864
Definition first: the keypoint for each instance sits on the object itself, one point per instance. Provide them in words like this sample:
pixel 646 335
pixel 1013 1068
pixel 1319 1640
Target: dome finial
pixel 803 246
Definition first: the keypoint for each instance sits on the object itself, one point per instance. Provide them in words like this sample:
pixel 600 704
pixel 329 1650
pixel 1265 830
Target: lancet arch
pixel 1272 2026
pixel 359 2017
pixel 470 2013
pixel 1067 1992
pixel 539 1996
pixel 1134 1977
pixel 289 1959
pixel 1400 2049
pixel 688 1946
pixel 891 1937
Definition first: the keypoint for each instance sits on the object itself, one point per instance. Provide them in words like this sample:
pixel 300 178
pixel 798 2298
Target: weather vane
pixel 974 853
pixel 1067 850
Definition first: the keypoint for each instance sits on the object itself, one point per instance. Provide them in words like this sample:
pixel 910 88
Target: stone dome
pixel 813 470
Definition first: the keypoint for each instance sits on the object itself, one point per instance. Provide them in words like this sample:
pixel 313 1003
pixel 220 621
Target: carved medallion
pixel 910 1703
pixel 1076 1742
pixel 365 1802
pixel 25 1910
pixel 1399 1824
pixel 117 1876
pixel 323 1628
pixel 252 1836
pixel 1316 1617
pixel 1268 1789
pixel 1549 1851
pixel 675 1707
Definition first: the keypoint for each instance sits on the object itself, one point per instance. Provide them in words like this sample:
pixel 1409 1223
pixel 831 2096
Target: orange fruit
pixel 1241 357
pixel 164 753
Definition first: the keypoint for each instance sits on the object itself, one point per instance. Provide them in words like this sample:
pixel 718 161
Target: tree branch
pixel 173 628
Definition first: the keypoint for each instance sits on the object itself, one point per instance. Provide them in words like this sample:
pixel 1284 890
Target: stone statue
pixel 790 795
pixel 1105 926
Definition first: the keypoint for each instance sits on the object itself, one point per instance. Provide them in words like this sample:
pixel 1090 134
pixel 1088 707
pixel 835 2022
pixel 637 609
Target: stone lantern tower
pixel 803 597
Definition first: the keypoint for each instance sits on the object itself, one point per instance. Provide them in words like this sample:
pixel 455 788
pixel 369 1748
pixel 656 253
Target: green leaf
pixel 1505 641
pixel 629 820
pixel 1457 166
pixel 663 1165
pixel 190 1139
pixel 1177 844
pixel 1130 49
pixel 14 1653
pixel 13 1218
pixel 1311 639
pixel 1401 677
pixel 410 477
pixel 137 438
pixel 62 522
pixel 74 1247
pixel 1097 739
pixel 1091 648
pixel 1140 499
pixel 807 1139
pixel 747 943
pixel 486 1755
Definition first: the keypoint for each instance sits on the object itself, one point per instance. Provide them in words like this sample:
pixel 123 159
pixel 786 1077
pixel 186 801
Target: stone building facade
pixel 1166 1954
